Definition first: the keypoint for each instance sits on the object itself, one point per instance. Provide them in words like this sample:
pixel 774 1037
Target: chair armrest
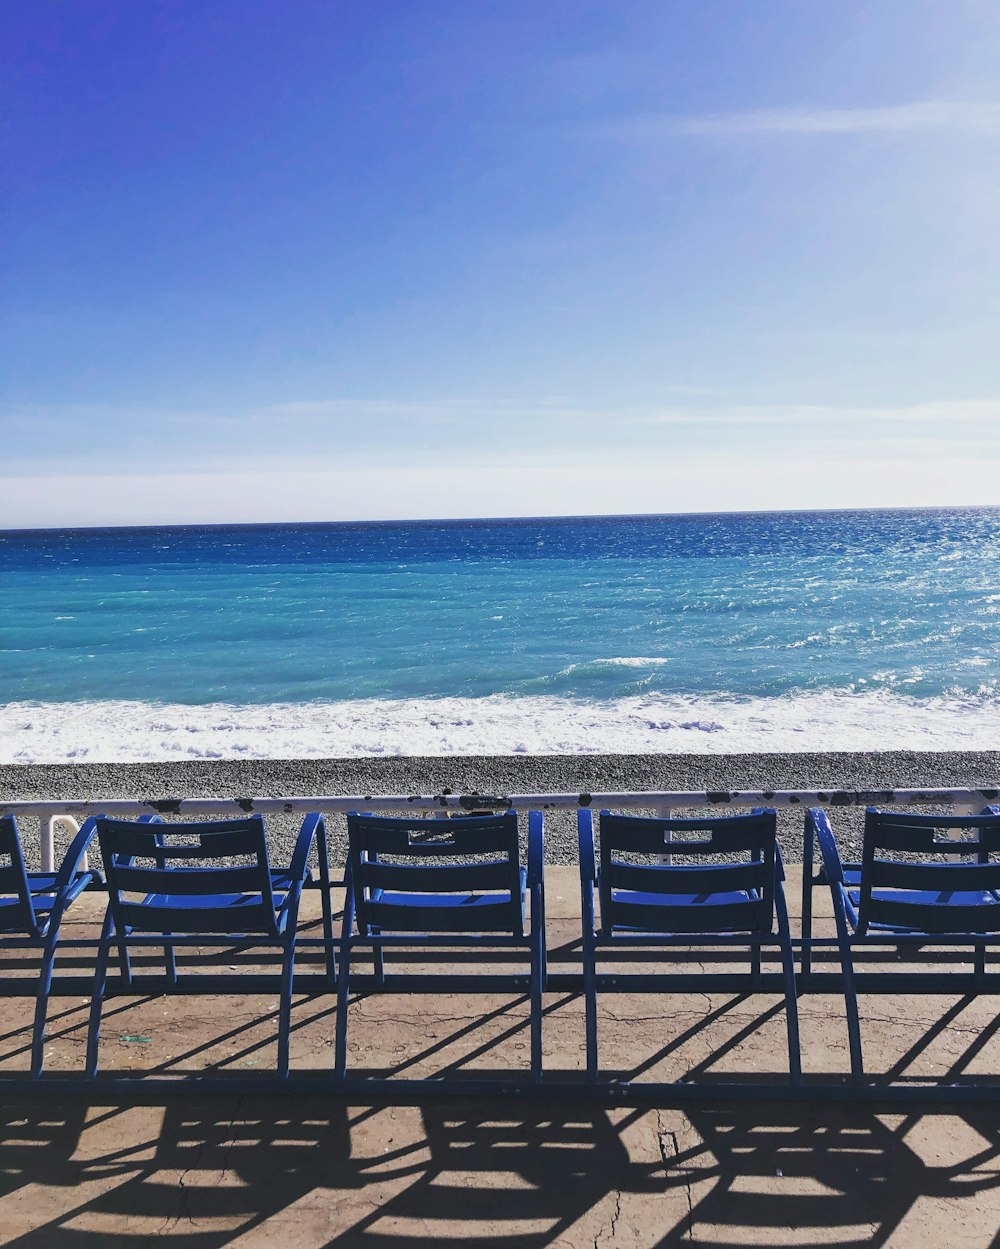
pixel 299 869
pixel 311 827
pixel 536 848
pixel 585 837
pixel 81 882
pixel 832 864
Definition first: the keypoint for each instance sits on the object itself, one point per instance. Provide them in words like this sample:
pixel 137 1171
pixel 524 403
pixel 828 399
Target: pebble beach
pixel 503 776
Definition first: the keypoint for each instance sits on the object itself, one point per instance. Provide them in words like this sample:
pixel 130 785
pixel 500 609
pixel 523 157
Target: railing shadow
pixel 209 1172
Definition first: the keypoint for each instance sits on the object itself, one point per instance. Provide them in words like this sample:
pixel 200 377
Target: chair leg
pixel 343 985
pixel 97 998
pixel 808 855
pixel 344 979
pixel 590 1002
pixel 850 991
pixel 323 854
pixel 328 939
pixel 853 1019
pixel 537 974
pixel 545 943
pixel 378 960
pixel 791 1011
pixel 979 965
pixel 589 951
pixel 791 989
pixel 170 964
pixel 124 962
pixel 285 1008
pixel 42 1005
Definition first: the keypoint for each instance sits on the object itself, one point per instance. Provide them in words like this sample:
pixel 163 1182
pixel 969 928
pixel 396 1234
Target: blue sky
pixel 382 258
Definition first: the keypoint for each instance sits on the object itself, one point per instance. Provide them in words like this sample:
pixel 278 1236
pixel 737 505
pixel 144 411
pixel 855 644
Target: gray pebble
pixel 504 775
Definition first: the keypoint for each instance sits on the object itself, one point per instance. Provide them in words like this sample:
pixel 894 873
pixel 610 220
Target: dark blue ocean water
pixel 583 611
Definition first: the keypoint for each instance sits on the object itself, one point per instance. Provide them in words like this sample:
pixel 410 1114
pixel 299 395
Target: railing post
pixel 664 813
pixel 962 808
pixel 46 842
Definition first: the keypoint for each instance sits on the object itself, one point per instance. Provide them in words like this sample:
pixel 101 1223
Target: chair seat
pixel 442 900
pixel 472 913
pixel 949 900
pixel 206 901
pixel 726 898
pixel 281 882
pixel 12 918
pixel 42 888
pixel 281 878
pixel 690 904
pixel 41 882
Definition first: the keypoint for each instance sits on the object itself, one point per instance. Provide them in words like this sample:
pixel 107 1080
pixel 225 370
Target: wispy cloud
pixel 917 117
pixel 947 415
pixel 733 480
pixel 46 436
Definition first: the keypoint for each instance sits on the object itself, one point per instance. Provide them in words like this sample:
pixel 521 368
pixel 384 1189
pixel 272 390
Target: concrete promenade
pixel 288 1171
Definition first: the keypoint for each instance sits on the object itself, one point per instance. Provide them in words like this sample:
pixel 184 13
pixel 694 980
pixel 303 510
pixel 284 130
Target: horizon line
pixel 468 520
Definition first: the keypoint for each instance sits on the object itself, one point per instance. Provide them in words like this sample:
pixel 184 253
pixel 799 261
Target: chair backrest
pixel 673 897
pixel 452 859
pixel 906 868
pixel 182 878
pixel 17 912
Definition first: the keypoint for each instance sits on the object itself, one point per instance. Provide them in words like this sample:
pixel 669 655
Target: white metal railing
pixel 70 811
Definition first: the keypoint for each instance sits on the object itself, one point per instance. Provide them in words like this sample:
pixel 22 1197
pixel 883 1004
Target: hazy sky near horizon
pixel 338 259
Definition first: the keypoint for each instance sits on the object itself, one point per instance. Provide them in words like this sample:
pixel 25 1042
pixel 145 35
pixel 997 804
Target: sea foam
pixel 134 732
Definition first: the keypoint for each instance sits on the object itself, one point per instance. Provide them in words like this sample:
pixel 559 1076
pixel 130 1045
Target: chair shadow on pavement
pixel 306 1169
pixel 838 1175
pixel 290 1171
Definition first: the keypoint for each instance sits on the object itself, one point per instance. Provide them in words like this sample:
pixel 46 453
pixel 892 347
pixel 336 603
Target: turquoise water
pixel 694 611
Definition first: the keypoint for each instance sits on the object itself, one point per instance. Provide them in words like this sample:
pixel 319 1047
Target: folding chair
pixel 32 906
pixel 738 902
pixel 432 885
pixel 176 885
pixel 910 889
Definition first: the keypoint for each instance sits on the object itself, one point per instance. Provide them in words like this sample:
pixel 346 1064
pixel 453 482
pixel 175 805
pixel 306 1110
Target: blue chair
pixel 429 885
pixel 32 906
pixel 910 889
pixel 738 901
pixel 172 885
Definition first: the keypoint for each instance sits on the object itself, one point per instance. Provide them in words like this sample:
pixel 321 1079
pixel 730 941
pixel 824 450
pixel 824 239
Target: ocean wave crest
pixel 135 732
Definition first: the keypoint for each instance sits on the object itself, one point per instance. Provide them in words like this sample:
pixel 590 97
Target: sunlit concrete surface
pixel 314 1170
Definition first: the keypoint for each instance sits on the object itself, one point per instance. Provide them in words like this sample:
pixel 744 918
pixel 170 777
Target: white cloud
pixel 363 464
pixel 918 117
pixel 576 484
pixel 946 415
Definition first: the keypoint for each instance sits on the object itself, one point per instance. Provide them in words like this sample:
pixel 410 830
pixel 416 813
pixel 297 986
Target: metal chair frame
pixel 936 925
pixel 190 905
pixel 662 906
pixel 880 904
pixel 40 900
pixel 394 908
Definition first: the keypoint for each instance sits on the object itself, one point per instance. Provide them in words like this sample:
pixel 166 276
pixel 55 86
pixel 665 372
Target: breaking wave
pixel 134 732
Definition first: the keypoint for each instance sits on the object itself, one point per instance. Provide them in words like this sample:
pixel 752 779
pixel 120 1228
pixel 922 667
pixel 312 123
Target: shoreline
pixel 503 775
pixel 836 721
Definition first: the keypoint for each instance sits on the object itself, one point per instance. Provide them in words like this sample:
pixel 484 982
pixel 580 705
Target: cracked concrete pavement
pixel 311 1171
